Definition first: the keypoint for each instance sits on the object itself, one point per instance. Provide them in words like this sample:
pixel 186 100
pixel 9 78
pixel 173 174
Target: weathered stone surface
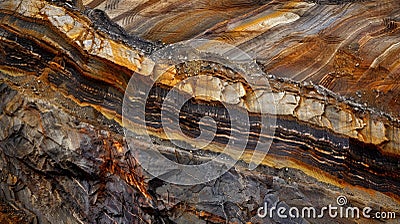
pixel 332 43
pixel 64 71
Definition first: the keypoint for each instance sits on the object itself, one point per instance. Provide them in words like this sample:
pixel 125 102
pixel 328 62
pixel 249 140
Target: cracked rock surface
pixel 64 70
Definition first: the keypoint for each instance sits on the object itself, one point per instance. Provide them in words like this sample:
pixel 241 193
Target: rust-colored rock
pixel 64 72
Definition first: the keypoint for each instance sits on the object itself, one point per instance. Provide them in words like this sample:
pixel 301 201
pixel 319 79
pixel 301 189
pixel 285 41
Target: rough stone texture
pixel 63 170
pixel 63 73
pixel 333 43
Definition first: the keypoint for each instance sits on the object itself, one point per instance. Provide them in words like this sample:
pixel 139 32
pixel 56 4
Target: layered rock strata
pixel 341 45
pixel 63 81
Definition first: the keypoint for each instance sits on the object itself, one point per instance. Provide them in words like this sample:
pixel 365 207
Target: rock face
pixel 333 43
pixel 64 70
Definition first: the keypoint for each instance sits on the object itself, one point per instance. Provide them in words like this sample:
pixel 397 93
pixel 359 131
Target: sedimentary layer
pixel 336 44
pixel 62 59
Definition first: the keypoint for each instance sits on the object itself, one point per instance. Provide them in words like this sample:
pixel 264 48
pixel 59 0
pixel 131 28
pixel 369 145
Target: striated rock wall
pixel 341 45
pixel 64 73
